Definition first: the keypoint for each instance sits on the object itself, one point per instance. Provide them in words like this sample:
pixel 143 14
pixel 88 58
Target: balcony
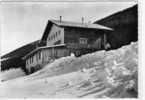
pixel 83 46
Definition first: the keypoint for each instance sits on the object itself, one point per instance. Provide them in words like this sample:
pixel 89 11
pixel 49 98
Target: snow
pixel 11 74
pixel 5 59
pixel 102 74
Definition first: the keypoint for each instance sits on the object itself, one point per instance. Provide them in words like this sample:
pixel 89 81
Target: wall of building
pixel 56 35
pixel 54 53
pixel 45 56
pixel 94 37
pixel 34 60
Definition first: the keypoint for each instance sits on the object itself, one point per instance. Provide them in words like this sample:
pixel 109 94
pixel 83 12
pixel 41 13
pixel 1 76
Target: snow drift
pixel 100 74
pixel 11 74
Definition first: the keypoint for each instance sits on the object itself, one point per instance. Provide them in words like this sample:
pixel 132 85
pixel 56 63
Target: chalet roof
pixel 80 25
pixel 73 25
pixel 40 48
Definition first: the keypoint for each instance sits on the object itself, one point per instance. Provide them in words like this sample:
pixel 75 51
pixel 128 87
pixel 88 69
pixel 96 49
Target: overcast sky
pixel 22 23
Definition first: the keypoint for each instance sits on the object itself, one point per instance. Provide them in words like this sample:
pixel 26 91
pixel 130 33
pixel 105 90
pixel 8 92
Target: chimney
pixel 60 18
pixel 82 20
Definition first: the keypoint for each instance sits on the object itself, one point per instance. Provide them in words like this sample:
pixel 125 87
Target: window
pixel 51 37
pixel 56 34
pixel 83 40
pixel 36 57
pixel 32 59
pixel 26 62
pixel 55 53
pixel 57 42
pixel 39 55
pixel 59 32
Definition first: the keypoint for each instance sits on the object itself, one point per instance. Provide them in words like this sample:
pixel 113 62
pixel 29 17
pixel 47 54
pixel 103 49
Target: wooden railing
pixel 80 46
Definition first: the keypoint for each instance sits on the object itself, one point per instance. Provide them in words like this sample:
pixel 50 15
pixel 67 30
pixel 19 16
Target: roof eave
pixel 35 50
pixel 27 55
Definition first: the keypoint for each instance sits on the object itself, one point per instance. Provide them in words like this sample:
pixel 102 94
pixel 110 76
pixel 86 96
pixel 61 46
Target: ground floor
pixel 37 59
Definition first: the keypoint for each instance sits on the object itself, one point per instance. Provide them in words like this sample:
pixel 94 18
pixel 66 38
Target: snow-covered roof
pixel 44 47
pixel 80 25
pixel 4 59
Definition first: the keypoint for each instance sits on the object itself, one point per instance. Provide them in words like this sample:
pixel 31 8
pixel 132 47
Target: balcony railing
pixel 81 46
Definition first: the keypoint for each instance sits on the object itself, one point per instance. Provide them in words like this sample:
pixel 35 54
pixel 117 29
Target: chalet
pixel 125 30
pixel 62 38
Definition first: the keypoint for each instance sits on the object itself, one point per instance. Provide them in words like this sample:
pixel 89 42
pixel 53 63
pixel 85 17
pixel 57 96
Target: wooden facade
pixel 63 38
pixel 85 38
pixel 44 55
pixel 56 35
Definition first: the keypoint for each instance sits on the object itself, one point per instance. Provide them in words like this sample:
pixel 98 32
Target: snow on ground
pixel 61 66
pixel 11 74
pixel 100 74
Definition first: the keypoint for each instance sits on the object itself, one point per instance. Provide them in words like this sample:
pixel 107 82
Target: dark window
pixel 51 37
pixel 32 69
pixel 39 55
pixel 32 59
pixel 97 43
pixel 36 57
pixel 59 32
pixel 83 40
pixel 55 53
pixel 55 34
pixel 57 42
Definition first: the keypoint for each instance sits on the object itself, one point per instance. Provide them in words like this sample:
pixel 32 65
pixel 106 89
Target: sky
pixel 24 22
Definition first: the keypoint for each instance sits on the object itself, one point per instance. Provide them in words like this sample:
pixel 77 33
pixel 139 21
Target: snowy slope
pixel 11 74
pixel 97 75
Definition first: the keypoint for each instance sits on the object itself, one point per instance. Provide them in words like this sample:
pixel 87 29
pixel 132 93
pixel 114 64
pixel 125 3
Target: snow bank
pixel 115 63
pixel 69 64
pixel 117 69
pixel 122 69
pixel 97 75
pixel 59 66
pixel 11 74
